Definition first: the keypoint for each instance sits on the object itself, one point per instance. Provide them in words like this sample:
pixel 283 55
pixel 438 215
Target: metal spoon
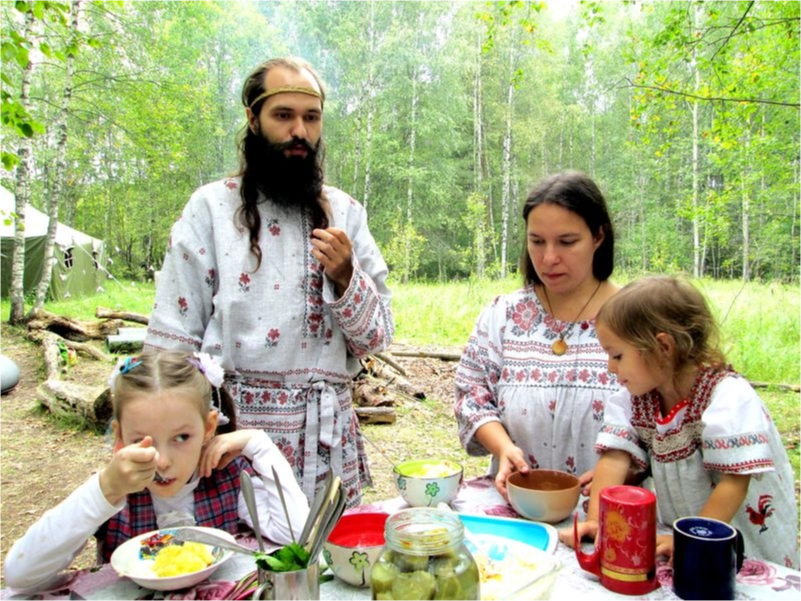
pixel 283 503
pixel 332 518
pixel 316 508
pixel 250 500
pixel 325 513
pixel 198 536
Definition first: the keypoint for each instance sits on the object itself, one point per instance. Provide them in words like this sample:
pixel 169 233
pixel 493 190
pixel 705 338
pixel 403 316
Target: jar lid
pixel 423 531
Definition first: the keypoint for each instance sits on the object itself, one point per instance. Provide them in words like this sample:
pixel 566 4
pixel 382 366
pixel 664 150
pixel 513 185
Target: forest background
pixel 440 117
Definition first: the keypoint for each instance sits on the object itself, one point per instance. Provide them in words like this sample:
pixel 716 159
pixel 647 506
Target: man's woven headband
pixel 295 89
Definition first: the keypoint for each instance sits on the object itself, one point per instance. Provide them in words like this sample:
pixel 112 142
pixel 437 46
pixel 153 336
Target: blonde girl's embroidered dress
pixel 552 406
pixel 722 428
pixel 289 346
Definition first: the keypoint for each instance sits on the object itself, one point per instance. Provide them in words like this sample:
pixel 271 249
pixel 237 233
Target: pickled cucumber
pixel 414 585
pixel 411 563
pixel 381 577
pixel 448 587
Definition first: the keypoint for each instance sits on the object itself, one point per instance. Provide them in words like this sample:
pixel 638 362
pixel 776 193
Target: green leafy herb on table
pixel 287 559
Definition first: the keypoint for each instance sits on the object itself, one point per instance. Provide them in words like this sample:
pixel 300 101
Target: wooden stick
pixel 432 355
pixel 391 362
pixel 376 415
pixel 104 313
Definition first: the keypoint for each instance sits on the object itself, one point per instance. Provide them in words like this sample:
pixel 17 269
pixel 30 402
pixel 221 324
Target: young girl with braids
pixel 708 439
pixel 168 469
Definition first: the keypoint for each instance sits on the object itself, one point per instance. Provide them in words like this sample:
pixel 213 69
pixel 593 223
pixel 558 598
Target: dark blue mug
pixel 707 554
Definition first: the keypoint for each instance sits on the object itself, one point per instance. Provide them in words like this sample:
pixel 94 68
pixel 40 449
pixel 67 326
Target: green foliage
pixel 289 558
pixel 602 88
pixel 759 322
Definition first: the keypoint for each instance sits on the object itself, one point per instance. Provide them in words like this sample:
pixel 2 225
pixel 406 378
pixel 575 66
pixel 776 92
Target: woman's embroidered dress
pixel 552 406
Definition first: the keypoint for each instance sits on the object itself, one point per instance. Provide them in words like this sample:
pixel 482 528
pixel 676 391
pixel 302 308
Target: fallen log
pixel 92 403
pixel 377 369
pixel 44 337
pixel 429 355
pixel 790 387
pixel 391 362
pixel 368 394
pixel 375 415
pixel 104 313
pixel 72 329
pixel 52 356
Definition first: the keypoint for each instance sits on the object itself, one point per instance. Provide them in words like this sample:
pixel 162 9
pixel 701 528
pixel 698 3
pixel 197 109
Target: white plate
pixel 128 561
pixel 521 571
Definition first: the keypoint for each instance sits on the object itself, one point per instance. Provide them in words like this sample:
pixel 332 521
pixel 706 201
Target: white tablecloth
pixel 757 579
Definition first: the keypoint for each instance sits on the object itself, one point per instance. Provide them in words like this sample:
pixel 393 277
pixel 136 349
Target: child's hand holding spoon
pixel 131 469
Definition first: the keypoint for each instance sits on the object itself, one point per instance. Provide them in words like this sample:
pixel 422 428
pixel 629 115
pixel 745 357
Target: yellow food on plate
pixel 176 560
pixel 499 578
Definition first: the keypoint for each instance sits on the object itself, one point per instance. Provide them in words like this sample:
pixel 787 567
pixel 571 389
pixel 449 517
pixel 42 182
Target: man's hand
pixel 333 249
pixel 131 469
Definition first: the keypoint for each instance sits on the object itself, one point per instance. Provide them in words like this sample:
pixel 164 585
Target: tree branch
pixel 794 105
pixel 732 32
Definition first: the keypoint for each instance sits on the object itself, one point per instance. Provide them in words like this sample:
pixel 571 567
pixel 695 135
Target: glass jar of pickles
pixel 424 557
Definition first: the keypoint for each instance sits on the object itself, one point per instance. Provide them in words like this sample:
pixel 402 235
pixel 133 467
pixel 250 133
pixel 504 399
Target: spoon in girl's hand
pixel 158 478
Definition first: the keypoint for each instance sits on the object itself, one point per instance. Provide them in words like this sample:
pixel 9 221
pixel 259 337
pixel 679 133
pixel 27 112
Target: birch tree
pixel 61 132
pixel 23 181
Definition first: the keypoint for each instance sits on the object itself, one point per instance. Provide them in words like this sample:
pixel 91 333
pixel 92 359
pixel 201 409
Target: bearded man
pixel 279 276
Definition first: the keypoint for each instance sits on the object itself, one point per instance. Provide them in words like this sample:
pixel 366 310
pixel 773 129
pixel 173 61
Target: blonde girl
pixel 169 468
pixel 700 427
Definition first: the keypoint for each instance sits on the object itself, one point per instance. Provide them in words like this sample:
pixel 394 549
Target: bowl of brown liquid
pixel 543 495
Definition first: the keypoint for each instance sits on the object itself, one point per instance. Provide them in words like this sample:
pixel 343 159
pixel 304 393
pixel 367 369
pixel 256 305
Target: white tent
pixel 76 271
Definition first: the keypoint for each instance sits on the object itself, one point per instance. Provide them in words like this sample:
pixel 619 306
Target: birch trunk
pixel 478 169
pixel 746 203
pixel 410 182
pixel 371 94
pixel 507 164
pixel 357 154
pixel 22 194
pixel 61 164
pixel 697 266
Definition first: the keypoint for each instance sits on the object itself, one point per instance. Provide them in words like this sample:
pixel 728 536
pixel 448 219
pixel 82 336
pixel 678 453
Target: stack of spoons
pixel 326 509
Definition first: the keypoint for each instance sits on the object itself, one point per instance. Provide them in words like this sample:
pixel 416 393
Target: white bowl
pixel 427 482
pixel 128 561
pixel 354 546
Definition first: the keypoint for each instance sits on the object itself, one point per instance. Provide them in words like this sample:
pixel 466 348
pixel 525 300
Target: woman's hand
pixel 585 481
pixel 222 450
pixel 588 528
pixel 131 469
pixel 510 459
pixel 664 546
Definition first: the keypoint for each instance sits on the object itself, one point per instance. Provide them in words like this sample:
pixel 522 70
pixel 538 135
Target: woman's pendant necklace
pixel 559 346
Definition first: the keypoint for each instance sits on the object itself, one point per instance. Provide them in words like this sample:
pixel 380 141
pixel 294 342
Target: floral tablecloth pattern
pixel 756 580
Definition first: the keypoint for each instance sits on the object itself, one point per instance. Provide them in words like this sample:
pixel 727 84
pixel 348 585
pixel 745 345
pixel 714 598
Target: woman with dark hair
pixel 532 381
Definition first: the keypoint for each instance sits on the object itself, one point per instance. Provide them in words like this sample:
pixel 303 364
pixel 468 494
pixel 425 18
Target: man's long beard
pixel 289 181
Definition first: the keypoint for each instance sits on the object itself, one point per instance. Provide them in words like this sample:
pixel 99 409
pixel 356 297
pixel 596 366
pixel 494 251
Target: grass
pixel 760 325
